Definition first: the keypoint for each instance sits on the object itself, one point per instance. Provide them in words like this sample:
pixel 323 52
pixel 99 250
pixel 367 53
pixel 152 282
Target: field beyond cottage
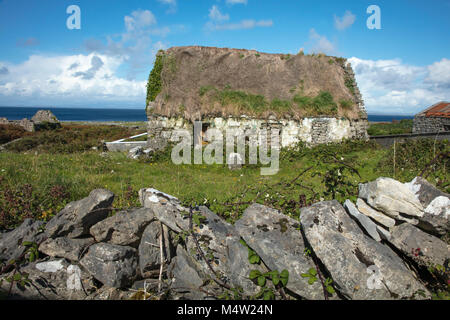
pixel 43 171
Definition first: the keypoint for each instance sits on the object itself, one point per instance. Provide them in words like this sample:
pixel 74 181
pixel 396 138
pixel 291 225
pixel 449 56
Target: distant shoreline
pixel 102 115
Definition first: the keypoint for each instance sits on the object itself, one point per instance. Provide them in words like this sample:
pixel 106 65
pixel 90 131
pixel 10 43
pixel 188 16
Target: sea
pixel 121 114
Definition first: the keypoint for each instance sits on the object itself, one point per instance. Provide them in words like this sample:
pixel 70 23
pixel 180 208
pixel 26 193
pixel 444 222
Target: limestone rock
pixel 124 228
pixel 365 209
pixel 219 241
pixel 77 217
pixel 10 242
pixel 135 153
pixel 436 204
pixel 277 240
pixel 113 265
pixel 392 198
pixel 63 247
pixel 364 221
pixel 422 247
pixel 149 251
pixel 166 208
pixel 186 276
pixel 361 267
pixel 52 280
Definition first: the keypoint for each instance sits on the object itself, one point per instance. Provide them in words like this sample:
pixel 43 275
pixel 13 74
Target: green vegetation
pixel 346 104
pixel 350 84
pixel 257 55
pixel 381 129
pixel 70 138
pixel 10 132
pixel 322 104
pixel 38 178
pixel 154 84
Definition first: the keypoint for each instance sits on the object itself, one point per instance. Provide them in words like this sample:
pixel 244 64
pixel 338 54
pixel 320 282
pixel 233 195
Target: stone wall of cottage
pixel 312 131
pixel 424 124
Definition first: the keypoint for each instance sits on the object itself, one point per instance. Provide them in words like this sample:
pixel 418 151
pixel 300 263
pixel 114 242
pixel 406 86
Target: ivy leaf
pixel 312 272
pixel 330 289
pixel 254 274
pixel 276 279
pixel 284 277
pixel 312 280
pixel 268 295
pixel 261 281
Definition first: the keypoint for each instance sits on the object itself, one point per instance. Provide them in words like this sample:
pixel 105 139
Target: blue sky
pixel 400 69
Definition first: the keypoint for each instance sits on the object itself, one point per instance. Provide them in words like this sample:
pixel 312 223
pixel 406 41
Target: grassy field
pixel 37 179
pixel 382 129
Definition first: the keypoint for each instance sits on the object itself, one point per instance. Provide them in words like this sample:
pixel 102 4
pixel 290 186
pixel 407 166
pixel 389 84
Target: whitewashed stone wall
pixel 313 131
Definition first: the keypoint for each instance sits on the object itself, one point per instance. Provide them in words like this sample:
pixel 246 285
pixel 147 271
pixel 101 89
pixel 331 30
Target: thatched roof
pixel 198 82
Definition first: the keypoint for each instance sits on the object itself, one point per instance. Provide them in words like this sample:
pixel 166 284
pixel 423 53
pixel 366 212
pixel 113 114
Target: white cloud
pixel 139 19
pixel 171 3
pixel 320 44
pixel 69 80
pixel 218 21
pixel 439 74
pixel 391 86
pixel 345 22
pixel 134 45
pixel 244 24
pixel 216 15
pixel 231 2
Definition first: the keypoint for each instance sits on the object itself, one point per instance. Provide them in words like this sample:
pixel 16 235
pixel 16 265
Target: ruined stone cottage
pixel 310 98
pixel 434 119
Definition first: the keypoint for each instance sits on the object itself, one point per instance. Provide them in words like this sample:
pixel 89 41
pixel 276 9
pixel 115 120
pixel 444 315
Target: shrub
pixel 10 132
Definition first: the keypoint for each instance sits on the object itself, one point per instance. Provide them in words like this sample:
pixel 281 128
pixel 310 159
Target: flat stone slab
pixel 366 223
pixel 276 238
pixel 393 198
pixel 361 267
pixel 422 247
pixel 378 216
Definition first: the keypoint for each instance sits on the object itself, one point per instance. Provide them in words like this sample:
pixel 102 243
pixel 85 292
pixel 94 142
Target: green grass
pixel 322 104
pixel 382 129
pixel 39 185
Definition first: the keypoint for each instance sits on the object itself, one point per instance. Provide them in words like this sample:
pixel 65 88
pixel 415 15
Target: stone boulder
pixel 219 242
pixel 52 280
pixel 436 204
pixel 166 208
pixel 10 242
pixel 63 247
pixel 113 265
pixel 124 228
pixel 422 247
pixel 277 239
pixel 149 248
pixel 135 153
pixel 78 217
pixel 186 276
pixel 361 267
pixel 393 198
